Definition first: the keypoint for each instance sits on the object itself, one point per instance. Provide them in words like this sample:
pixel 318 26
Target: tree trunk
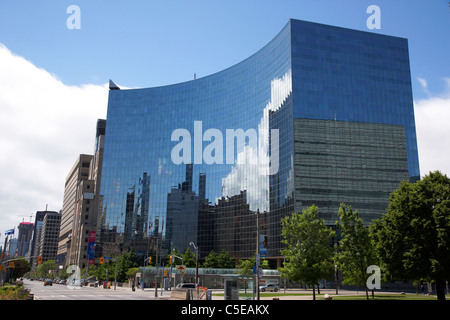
pixel 440 289
pixel 314 292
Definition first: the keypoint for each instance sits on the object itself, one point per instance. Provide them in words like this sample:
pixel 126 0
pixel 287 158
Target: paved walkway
pixel 164 294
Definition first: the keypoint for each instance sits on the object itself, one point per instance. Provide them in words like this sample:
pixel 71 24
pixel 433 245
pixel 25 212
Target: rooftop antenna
pixel 195 76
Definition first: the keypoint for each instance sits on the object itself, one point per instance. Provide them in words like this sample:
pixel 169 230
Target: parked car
pixel 48 282
pixel 185 286
pixel 269 287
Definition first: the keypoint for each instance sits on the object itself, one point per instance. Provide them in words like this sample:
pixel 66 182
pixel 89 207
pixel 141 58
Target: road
pixel 63 292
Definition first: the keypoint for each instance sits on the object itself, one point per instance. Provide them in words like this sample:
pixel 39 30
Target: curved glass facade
pixel 193 162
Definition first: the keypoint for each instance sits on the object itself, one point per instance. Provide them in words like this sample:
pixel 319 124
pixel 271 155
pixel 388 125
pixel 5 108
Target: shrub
pixel 14 292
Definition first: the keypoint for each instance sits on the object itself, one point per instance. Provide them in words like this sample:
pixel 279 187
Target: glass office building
pixel 320 115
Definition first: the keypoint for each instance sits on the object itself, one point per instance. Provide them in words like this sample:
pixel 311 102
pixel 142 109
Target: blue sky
pixel 150 43
pixel 53 79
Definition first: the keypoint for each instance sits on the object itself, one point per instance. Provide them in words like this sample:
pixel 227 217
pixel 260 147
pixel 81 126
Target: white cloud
pixel 44 126
pixel 424 85
pixel 433 135
pixel 251 171
pixel 422 82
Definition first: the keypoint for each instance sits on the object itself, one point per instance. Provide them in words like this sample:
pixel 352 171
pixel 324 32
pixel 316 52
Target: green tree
pixel 21 267
pixel 355 251
pixel 218 260
pixel 45 269
pixel 412 239
pixel 100 271
pixel 125 261
pixel 189 258
pixel 131 272
pixel 245 267
pixel 308 249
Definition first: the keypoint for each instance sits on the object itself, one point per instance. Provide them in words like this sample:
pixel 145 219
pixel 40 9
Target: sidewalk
pixel 280 295
pixel 146 293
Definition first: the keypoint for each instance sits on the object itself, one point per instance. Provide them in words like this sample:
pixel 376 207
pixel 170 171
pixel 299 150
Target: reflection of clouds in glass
pixel 162 167
pixel 159 166
pixel 250 174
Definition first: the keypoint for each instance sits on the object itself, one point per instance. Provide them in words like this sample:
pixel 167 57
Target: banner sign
pixel 263 246
pixel 91 247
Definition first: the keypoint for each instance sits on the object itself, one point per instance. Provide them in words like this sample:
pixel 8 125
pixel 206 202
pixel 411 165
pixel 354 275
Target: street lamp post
pixel 157 266
pixel 257 255
pixel 115 276
pixel 143 273
pixel 196 267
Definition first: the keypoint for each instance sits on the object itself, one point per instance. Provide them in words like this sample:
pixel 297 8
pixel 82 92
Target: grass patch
pixel 359 297
pixel 386 297
pixel 269 294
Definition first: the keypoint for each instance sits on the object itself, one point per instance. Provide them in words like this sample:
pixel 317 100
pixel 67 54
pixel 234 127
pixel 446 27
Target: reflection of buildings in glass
pixel 230 225
pixel 129 216
pixel 207 235
pixel 182 212
pixel 137 215
pixel 309 76
pixel 142 225
pixel 235 226
pixel 202 186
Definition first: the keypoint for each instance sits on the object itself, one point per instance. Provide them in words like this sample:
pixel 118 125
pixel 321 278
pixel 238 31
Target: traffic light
pixel 102 260
pixel 182 273
pixel 39 260
pixel 11 265
pixel 165 273
pixel 150 260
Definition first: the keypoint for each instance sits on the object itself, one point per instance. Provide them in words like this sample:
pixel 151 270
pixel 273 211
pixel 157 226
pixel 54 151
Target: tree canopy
pixel 218 260
pixel 413 238
pixel 355 250
pixel 308 249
